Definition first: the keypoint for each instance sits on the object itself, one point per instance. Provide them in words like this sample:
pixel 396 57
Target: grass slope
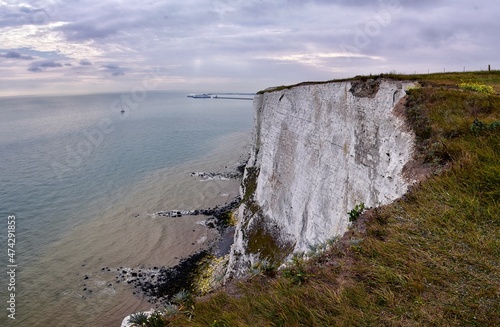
pixel 429 259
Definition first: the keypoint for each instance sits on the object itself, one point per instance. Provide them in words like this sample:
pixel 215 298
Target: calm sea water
pixel 75 172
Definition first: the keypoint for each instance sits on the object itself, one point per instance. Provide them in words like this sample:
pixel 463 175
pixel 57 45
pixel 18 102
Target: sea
pixel 80 183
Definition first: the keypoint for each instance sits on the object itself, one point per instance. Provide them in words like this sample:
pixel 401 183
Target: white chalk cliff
pixel 319 150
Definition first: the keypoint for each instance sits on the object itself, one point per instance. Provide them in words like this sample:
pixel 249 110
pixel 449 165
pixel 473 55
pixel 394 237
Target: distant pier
pixel 231 98
pixel 224 96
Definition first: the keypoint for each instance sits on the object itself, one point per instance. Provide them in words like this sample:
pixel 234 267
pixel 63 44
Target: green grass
pixel 429 259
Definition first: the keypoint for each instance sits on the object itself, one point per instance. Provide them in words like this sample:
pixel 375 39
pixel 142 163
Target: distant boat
pixel 123 110
pixel 200 96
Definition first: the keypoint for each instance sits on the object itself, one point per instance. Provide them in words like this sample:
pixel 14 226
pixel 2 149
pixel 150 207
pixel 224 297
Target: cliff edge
pixel 318 151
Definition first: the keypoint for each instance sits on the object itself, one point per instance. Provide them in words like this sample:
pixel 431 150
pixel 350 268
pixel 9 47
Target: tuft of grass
pixel 296 270
pixel 429 259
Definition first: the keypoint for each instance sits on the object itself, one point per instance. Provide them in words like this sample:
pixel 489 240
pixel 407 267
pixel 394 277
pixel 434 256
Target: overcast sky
pixel 235 45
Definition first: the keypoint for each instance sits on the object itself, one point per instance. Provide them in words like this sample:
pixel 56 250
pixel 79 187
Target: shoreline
pixel 154 286
pixel 128 235
pixel 159 284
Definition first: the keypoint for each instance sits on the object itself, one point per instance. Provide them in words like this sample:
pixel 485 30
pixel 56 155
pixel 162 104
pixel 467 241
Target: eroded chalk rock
pixel 319 150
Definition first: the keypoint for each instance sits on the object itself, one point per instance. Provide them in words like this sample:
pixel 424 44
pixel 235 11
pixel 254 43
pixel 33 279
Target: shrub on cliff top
pixel 476 87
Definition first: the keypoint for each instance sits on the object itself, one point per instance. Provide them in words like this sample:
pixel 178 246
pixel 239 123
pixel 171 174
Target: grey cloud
pixel 87 30
pixel 50 63
pixel 18 15
pixel 11 17
pixel 379 3
pixel 15 55
pixel 131 22
pixel 39 66
pixel 113 69
pixel 110 66
pixel 25 10
pixel 85 62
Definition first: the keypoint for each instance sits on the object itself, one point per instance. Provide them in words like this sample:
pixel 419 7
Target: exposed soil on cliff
pixel 365 89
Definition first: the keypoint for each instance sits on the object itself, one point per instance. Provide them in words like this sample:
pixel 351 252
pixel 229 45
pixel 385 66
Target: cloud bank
pixel 236 45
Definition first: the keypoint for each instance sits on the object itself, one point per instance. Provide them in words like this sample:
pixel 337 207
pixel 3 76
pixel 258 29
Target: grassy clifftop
pixel 430 259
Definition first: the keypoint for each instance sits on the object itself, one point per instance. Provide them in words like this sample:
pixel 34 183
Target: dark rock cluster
pixel 224 175
pixel 159 284
pixel 220 214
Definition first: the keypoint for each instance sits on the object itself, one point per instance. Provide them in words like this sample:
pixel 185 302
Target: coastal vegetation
pixel 476 87
pixel 356 212
pixel 428 259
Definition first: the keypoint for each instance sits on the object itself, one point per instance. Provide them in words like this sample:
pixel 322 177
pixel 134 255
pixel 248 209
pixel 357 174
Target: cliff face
pixel 318 151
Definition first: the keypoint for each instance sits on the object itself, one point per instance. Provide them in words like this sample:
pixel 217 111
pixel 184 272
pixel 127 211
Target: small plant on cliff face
pixel 139 319
pixel 171 310
pixel 356 212
pixel 157 320
pixel 296 271
pixel 184 301
pixel 264 267
pixel 182 298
